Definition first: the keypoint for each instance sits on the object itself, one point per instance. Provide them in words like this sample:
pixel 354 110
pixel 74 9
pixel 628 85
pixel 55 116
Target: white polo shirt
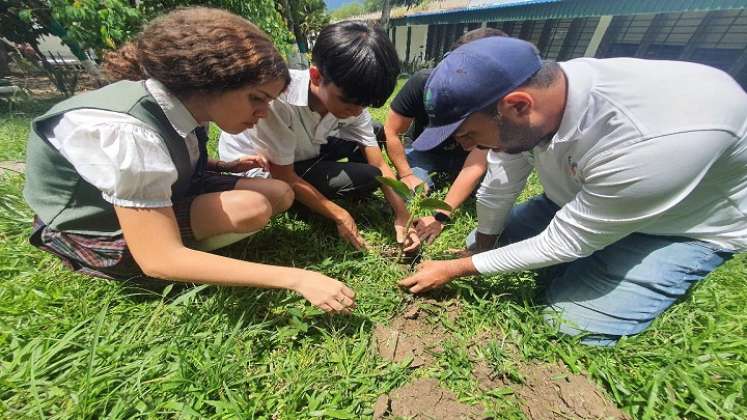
pixel 292 132
pixel 657 147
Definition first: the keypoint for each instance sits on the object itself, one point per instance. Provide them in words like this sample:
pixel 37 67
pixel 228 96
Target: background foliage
pixel 100 25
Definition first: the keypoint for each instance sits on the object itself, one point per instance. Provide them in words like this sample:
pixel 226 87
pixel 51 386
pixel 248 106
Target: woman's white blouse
pixel 120 155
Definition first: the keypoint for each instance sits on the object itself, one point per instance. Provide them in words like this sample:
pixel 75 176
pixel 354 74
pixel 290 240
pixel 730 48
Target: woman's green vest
pixel 54 190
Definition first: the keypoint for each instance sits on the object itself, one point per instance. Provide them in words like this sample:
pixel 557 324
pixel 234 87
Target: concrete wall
pixel 401 41
pixel 419 37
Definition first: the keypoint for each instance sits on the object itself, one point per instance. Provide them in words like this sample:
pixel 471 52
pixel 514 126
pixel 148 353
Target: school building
pixel 712 32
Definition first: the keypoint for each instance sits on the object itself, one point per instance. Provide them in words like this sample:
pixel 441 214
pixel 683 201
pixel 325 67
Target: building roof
pixel 486 10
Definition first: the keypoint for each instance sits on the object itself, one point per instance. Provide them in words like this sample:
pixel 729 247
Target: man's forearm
pixel 395 125
pixel 396 153
pixel 469 177
pixel 463 185
pixel 462 267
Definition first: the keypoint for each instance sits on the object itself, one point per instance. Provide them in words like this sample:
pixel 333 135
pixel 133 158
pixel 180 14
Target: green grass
pixel 77 347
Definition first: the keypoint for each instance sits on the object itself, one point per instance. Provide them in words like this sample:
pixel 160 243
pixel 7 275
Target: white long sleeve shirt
pixel 657 147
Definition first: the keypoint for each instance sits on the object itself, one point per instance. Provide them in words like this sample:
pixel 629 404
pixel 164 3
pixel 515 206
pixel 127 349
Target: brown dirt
pixel 487 378
pixel 412 334
pixel 424 399
pixel 551 391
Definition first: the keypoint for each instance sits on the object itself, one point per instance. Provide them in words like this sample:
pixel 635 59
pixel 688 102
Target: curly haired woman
pixel 119 177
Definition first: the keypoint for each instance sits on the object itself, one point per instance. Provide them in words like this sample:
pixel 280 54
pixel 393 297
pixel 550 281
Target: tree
pixel 386 9
pixel 261 12
pixel 96 25
pixel 25 21
pixel 378 5
pixel 304 17
pixel 101 25
pixel 81 25
pixel 4 60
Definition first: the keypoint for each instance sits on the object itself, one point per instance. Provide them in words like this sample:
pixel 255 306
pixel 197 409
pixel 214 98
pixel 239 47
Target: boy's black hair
pixel 359 59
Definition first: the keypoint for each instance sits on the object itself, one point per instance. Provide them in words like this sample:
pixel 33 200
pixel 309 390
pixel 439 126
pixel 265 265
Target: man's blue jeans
pixel 618 290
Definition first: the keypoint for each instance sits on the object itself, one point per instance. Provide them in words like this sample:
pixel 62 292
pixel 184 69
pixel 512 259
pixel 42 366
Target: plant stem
pixel 407 231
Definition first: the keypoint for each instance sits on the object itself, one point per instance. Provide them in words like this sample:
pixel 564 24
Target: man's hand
pixel 429 275
pixel 348 230
pixel 428 229
pixel 434 274
pixel 413 181
pixel 325 293
pixel 244 164
pixel 409 241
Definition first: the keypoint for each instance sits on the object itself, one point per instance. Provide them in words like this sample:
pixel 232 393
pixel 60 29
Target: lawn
pixel 78 347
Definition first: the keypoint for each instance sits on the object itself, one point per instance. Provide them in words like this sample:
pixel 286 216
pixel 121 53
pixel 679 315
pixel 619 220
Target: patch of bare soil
pixel 424 399
pixel 487 378
pixel 414 334
pixel 551 391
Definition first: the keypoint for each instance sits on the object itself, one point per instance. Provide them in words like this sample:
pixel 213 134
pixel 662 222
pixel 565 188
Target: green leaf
pixel 435 203
pixel 25 15
pixel 420 188
pixel 167 290
pixel 398 186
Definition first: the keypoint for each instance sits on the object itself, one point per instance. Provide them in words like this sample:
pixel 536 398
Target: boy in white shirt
pixel 321 118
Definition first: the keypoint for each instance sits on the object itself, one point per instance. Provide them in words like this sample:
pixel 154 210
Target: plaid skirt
pixel 108 256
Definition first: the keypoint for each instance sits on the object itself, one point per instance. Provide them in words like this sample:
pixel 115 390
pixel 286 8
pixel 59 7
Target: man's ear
pixel 517 104
pixel 315 75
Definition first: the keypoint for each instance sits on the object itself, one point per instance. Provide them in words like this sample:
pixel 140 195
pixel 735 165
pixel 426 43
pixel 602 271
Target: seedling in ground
pixel 418 204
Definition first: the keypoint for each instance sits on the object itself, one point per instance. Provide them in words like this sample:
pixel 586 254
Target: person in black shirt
pixel 407 119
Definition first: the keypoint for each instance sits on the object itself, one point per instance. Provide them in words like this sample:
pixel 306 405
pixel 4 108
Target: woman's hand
pixel 325 293
pixel 244 164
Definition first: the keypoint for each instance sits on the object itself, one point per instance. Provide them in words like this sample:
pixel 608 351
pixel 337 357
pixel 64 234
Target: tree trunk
pixel 385 10
pixel 4 60
pixel 295 28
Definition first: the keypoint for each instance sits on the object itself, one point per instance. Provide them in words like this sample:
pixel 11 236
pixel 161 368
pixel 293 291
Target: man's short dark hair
pixel 476 34
pixel 545 76
pixel 359 59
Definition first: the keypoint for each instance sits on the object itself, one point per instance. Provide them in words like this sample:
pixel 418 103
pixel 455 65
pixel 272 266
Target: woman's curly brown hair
pixel 199 49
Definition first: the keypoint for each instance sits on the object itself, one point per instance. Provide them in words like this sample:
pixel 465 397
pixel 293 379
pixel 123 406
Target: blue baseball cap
pixel 470 78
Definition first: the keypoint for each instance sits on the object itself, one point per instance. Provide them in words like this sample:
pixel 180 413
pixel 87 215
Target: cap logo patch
pixel 428 102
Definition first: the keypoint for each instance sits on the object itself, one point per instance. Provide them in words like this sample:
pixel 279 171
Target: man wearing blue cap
pixel 644 169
